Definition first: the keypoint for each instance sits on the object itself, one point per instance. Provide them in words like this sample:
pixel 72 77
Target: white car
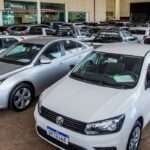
pixel 140 32
pixel 103 104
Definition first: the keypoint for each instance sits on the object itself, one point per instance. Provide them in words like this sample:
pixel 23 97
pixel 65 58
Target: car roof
pixel 134 49
pixel 11 36
pixel 44 40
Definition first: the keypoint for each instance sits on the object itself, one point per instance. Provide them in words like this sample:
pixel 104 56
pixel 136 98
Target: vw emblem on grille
pixel 59 120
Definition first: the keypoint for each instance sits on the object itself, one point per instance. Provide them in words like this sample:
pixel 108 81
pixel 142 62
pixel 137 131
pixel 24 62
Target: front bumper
pixel 79 141
pixel 4 96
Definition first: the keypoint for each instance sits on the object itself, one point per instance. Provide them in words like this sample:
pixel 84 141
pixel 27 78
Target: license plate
pixel 58 135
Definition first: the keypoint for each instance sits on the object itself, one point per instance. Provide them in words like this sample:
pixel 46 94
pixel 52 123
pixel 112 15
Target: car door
pixel 74 52
pixel 48 73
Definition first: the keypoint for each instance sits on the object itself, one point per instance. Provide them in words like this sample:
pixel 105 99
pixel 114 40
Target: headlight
pixel 105 127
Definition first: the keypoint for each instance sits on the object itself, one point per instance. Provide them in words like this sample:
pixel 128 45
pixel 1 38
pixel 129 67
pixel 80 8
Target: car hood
pixel 85 102
pixel 7 69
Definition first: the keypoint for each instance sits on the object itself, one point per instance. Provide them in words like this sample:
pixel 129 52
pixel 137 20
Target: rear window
pixel 36 31
pixel 139 32
pixel 70 45
pixel 49 32
pixel 19 28
pixel 1 45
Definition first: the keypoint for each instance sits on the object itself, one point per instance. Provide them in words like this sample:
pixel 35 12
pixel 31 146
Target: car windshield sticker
pixel 123 78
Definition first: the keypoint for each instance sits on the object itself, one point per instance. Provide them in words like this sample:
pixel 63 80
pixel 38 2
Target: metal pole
pixel 94 10
pixel 38 12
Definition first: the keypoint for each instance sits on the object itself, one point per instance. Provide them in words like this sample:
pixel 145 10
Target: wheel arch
pixel 22 82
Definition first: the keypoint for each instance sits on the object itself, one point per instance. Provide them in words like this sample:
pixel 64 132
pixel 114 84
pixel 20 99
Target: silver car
pixel 29 67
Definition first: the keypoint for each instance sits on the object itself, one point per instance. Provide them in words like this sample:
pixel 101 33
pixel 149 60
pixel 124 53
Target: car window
pixel 49 32
pixel 22 53
pixel 148 75
pixel 8 42
pixel 1 44
pixel 53 51
pixel 138 31
pixel 36 31
pixel 70 45
pixel 19 28
pixel 108 37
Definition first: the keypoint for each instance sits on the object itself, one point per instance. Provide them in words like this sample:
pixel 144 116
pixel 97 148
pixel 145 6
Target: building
pixel 45 11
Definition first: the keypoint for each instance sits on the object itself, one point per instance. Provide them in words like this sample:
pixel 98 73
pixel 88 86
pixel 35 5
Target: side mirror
pixel 45 60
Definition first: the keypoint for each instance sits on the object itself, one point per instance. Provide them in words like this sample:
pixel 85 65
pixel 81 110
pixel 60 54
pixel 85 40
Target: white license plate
pixel 58 135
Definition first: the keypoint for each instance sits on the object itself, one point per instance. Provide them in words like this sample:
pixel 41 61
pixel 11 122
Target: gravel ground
pixel 17 132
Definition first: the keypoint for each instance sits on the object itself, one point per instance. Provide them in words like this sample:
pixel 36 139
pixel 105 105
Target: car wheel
pixel 21 97
pixel 135 137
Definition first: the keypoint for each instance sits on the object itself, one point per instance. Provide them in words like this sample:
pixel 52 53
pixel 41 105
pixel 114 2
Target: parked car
pixel 113 35
pixel 102 104
pixel 23 29
pixel 75 31
pixel 32 65
pixel 140 32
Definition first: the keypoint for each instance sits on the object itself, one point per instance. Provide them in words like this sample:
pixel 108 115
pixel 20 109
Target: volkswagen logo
pixel 59 120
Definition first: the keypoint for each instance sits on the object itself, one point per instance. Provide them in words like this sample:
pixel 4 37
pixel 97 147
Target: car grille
pixel 68 123
pixel 70 146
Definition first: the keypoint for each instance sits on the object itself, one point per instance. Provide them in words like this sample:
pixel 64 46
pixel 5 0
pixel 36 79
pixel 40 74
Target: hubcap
pixel 22 98
pixel 135 139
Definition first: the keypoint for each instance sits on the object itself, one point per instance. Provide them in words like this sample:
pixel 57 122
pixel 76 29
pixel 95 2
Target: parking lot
pixel 87 61
pixel 18 133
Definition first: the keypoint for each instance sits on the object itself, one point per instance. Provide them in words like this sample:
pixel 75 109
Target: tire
pixel 135 135
pixel 21 97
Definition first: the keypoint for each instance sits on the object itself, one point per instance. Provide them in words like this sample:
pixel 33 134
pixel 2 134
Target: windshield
pixel 119 71
pixel 22 53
